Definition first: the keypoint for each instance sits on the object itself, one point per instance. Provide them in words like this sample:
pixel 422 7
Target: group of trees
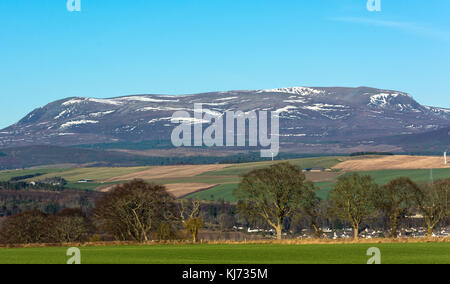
pixel 48 195
pixel 53 184
pixel 19 178
pixel 140 211
pixel 135 211
pixel 276 197
pixel 69 225
pixel 357 198
pixel 281 191
pixel 13 202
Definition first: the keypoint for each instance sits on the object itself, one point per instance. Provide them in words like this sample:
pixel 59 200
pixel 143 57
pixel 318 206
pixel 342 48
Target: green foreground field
pixel 399 253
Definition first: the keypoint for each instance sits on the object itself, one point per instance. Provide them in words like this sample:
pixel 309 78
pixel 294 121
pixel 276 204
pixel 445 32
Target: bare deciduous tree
pixel 272 194
pixel 190 217
pixel 133 210
pixel 396 199
pixel 353 199
pixel 313 208
pixel 68 225
pixel 434 201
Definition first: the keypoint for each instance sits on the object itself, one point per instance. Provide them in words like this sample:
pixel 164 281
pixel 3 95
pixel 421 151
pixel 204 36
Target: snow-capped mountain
pixel 307 116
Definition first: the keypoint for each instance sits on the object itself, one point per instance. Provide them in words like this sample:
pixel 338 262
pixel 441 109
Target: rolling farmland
pixel 217 182
pixel 214 182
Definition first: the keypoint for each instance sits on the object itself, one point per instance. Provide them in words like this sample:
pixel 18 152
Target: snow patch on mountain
pixel 381 100
pixel 438 109
pixel 77 122
pixel 216 104
pixel 293 135
pixel 210 112
pixel 105 101
pixel 84 100
pixel 159 119
pixel 189 120
pixel 326 107
pixel 296 100
pixel 72 102
pixel 102 113
pixel 227 99
pixel 161 109
pixel 303 91
pixel 285 109
pixel 61 114
pixel 146 99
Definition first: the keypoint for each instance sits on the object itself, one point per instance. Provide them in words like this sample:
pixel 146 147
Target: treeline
pixel 136 211
pixel 13 202
pixel 48 195
pixel 19 178
pixel 69 225
pixel 277 198
pixel 279 193
pixel 138 146
pixel 54 184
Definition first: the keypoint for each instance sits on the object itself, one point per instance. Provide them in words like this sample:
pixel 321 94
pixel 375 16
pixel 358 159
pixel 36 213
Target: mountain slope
pixel 327 116
pixel 433 141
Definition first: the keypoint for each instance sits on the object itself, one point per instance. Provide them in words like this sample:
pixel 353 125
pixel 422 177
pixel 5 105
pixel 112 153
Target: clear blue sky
pixel 117 47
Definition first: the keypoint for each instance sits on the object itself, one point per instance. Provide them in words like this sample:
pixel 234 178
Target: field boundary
pixel 198 191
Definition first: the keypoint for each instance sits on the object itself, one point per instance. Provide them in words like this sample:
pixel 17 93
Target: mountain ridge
pixel 308 116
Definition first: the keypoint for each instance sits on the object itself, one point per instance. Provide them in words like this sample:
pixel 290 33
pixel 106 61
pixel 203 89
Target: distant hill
pixel 32 156
pixel 333 119
pixel 432 141
pixel 22 157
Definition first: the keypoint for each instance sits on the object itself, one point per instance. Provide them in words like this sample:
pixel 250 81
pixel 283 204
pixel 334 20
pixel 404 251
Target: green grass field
pixel 7 175
pixel 380 177
pixel 417 253
pixel 223 191
pixel 73 175
pixel 385 176
pixel 95 174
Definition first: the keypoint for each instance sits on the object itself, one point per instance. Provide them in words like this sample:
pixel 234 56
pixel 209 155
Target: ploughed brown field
pixel 183 189
pixel 172 172
pixel 167 172
pixel 179 190
pixel 392 163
